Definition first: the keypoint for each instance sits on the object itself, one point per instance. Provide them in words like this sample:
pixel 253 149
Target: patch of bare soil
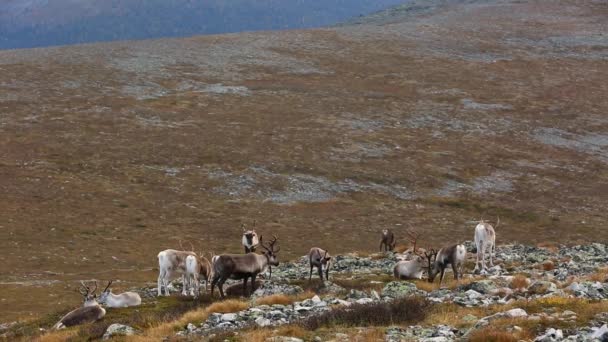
pixel 112 152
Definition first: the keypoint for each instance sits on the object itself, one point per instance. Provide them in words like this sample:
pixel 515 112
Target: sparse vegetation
pixel 401 311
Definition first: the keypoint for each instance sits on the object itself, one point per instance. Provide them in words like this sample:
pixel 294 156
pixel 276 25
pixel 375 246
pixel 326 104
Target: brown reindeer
pixel 388 240
pixel 320 259
pixel 91 311
pixel 454 255
pixel 239 266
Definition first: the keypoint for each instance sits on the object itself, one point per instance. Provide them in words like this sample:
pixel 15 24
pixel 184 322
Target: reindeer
pixel 122 300
pixel 250 239
pixel 454 255
pixel 485 238
pixel 197 267
pixel 320 259
pixel 410 269
pixel 239 266
pixel 172 263
pixel 91 311
pixel 388 240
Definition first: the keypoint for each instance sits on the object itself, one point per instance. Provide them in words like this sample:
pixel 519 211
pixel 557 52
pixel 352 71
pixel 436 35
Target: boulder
pixel 397 289
pixel 272 288
pixel 483 286
pixel 118 330
pixel 550 336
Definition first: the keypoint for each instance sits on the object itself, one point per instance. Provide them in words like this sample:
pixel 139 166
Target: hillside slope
pixel 112 152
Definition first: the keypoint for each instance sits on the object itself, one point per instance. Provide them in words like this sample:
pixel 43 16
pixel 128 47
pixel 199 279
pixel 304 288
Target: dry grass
pixel 284 299
pixel 165 329
pixel 400 248
pixel 292 331
pixel 57 336
pixel 519 282
pixel 449 282
pixel 257 335
pixel 549 245
pixel 368 335
pixel 403 310
pixel 452 314
pixel 491 335
pixel 548 265
pixel 600 275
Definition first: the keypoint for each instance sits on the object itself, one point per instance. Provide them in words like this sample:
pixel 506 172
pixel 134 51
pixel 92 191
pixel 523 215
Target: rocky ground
pixel 523 274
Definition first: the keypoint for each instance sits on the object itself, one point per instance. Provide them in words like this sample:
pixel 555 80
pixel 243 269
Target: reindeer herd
pixel 194 268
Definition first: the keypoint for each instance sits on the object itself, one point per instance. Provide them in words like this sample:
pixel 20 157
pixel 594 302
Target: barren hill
pixel 429 116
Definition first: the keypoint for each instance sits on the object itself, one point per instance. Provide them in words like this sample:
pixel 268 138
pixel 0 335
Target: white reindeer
pixel 122 300
pixel 485 239
pixel 410 269
pixel 171 264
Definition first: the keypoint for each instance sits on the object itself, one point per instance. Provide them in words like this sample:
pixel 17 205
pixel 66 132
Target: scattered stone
pixel 118 330
pixel 397 289
pixel 541 287
pixel 550 336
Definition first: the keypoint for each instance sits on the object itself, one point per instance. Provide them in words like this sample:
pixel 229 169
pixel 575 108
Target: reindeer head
pixel 249 235
pixel 385 232
pixel 270 252
pixel 103 297
pixel 431 257
pixel 90 298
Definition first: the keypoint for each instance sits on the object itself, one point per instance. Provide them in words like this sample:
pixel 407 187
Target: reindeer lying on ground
pixel 90 312
pixel 485 239
pixel 320 259
pixel 171 264
pixel 122 300
pixel 454 255
pixel 388 240
pixel 410 269
pixel 238 266
pixel 250 239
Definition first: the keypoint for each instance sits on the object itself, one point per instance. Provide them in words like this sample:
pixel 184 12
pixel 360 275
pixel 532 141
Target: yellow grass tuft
pixel 448 282
pixel 548 265
pixel 257 335
pixel 400 248
pixel 492 335
pixel 195 316
pixel 519 282
pixel 292 331
pixel 369 335
pixel 283 299
pixel 600 275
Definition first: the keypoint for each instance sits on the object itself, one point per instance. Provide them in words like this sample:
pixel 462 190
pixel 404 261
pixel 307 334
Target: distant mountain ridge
pixel 36 23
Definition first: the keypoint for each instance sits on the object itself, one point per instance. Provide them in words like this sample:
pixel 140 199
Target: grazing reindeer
pixel 239 266
pixel 320 259
pixel 197 269
pixel 410 269
pixel 388 240
pixel 454 255
pixel 122 300
pixel 485 238
pixel 171 264
pixel 91 311
pixel 250 239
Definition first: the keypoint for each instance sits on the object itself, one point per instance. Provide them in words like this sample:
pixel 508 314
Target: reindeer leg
pixel 477 258
pixel 253 283
pixel 320 269
pixel 442 275
pixel 492 250
pixel 455 270
pixel 245 286
pixel 483 256
pixel 214 282
pixel 221 287
pixel 327 274
pixel 310 276
pixel 160 284
pixel 381 243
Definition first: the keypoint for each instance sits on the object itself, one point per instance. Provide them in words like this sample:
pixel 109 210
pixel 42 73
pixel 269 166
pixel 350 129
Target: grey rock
pixel 397 289
pixel 118 330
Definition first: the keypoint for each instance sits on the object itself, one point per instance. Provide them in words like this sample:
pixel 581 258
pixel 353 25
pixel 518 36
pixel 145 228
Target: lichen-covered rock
pixel 485 286
pixel 118 330
pixel 271 288
pixel 398 289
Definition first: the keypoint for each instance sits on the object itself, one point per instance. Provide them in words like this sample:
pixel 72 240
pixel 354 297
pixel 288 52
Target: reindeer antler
pixel 243 226
pixel 107 287
pixel 413 237
pixel 95 287
pixel 86 288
